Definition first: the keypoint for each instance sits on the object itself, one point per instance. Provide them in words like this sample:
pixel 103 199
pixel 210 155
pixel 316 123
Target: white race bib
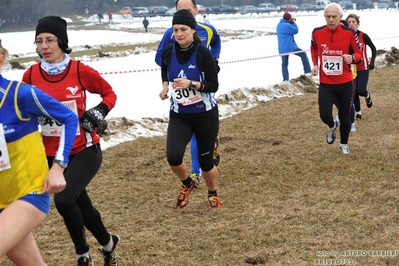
pixel 51 128
pixel 4 158
pixel 332 65
pixel 186 96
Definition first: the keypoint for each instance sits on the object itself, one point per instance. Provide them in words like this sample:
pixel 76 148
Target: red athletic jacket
pixel 70 88
pixel 365 41
pixel 328 46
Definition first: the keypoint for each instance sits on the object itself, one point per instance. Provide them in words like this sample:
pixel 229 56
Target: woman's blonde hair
pixel 3 51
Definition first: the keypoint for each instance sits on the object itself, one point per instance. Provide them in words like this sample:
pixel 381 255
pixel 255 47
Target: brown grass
pixel 287 195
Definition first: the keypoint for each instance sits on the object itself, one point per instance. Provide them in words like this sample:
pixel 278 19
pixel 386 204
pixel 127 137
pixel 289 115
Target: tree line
pixel 26 12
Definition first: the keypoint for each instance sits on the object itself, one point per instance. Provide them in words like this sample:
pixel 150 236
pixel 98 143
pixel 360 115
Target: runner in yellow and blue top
pixel 26 180
pixel 210 39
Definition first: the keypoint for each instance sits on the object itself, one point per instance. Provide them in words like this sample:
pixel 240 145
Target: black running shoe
pixel 110 258
pixel 369 102
pixel 83 261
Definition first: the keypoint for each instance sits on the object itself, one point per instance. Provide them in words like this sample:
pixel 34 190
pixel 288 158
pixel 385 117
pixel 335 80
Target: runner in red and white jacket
pixel 363 66
pixel 334 48
pixel 68 81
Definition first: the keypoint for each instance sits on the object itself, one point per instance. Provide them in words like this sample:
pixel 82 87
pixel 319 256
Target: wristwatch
pixel 62 163
pixel 193 85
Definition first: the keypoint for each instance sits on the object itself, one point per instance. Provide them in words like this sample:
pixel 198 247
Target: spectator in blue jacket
pixel 210 39
pixel 286 29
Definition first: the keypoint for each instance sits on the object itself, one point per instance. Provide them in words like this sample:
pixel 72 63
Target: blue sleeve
pixel 216 43
pixel 167 40
pixel 37 103
pixel 292 28
pixel 210 38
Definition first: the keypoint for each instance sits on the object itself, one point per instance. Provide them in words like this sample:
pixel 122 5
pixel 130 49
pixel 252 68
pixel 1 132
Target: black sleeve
pixel 368 42
pixel 207 65
pixel 166 57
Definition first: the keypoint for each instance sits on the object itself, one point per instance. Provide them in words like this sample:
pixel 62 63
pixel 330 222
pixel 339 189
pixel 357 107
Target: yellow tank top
pixel 28 169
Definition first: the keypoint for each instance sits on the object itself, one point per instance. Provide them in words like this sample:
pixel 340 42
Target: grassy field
pixel 288 197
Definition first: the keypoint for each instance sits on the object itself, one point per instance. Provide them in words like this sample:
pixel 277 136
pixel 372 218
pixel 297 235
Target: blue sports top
pixel 189 100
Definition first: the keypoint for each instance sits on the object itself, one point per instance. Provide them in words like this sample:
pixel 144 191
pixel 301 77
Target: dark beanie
pixel 184 17
pixel 287 16
pixel 54 25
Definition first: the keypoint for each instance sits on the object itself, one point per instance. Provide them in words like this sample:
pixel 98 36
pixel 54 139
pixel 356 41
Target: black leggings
pixel 180 130
pixel 352 112
pixel 74 204
pixel 342 94
pixel 362 79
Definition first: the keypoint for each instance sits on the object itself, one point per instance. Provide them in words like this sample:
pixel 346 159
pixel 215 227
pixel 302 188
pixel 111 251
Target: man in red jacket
pixel 335 48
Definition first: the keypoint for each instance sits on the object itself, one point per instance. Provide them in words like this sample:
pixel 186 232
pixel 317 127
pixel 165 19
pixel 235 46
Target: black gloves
pixel 94 117
pixel 217 65
pixel 371 65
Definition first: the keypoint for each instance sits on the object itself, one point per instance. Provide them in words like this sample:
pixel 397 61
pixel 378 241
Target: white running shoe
pixel 353 127
pixel 344 149
pixel 330 135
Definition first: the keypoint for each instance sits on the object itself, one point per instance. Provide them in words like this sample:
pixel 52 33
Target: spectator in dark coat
pixel 146 23
pixel 100 17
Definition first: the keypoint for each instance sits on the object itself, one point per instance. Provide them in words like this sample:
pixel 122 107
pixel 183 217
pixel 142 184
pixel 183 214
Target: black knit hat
pixel 184 17
pixel 54 25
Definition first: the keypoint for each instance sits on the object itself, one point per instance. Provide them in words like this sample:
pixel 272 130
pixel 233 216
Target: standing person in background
pixel 145 24
pixel 192 70
pixel 68 81
pixel 363 67
pixel 100 18
pixel 286 29
pixel 110 20
pixel 87 10
pixel 336 47
pixel 25 178
pixel 211 40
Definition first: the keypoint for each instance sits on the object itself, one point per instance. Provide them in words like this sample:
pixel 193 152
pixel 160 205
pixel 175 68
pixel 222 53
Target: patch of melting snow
pixel 120 130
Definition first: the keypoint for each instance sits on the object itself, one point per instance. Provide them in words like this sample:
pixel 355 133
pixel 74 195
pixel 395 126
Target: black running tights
pixel 74 204
pixel 342 94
